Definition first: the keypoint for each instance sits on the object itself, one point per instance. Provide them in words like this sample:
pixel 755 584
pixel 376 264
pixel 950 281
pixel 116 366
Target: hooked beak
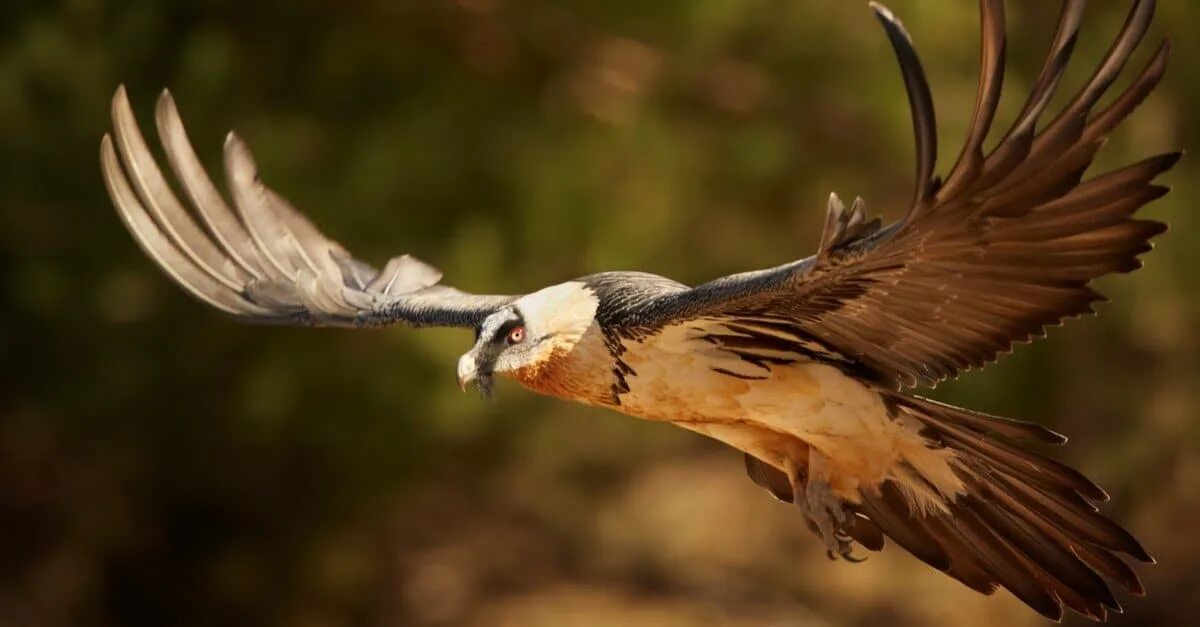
pixel 468 373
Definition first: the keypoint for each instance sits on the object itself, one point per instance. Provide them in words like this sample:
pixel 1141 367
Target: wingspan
pixel 1003 248
pixel 266 263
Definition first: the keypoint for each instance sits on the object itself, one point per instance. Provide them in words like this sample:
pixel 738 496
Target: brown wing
pixel 266 263
pixel 1005 247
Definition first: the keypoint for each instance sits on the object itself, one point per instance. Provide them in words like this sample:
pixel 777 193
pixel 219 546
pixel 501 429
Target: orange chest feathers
pixel 581 372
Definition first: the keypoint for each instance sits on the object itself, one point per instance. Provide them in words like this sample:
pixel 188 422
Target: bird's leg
pixel 824 510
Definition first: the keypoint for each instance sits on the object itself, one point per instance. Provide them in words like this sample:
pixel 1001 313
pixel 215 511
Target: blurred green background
pixel 161 465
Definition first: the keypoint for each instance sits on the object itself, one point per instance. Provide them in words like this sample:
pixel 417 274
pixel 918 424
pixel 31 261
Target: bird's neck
pixel 576 369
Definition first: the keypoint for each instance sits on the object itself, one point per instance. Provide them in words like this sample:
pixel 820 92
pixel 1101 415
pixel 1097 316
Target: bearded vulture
pixel 807 368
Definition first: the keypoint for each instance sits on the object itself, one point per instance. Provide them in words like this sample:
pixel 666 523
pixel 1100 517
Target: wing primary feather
pixel 1069 123
pixel 1061 49
pixel 920 102
pixel 1016 143
pixel 225 227
pixel 991 81
pixel 1106 120
pixel 159 247
pixel 317 251
pixel 266 262
pixel 156 196
pixel 270 234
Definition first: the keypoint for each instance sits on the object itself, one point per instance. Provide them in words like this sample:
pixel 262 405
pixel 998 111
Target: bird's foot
pixel 826 511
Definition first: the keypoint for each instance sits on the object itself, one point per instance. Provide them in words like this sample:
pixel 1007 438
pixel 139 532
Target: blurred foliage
pixel 162 465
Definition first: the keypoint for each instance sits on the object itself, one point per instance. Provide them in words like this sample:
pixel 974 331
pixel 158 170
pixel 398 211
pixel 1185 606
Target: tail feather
pixel 958 429
pixel 1024 522
pixel 1082 522
pixel 891 512
pixel 866 532
pixel 1111 567
pixel 1007 565
pixel 966 564
pixel 982 423
pixel 1069 577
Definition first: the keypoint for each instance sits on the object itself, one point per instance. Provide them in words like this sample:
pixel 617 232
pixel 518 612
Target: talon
pixel 825 512
pixel 850 557
pixel 845 550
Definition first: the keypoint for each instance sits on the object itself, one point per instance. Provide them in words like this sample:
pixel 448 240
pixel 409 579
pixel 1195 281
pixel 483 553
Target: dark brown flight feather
pixel 1005 248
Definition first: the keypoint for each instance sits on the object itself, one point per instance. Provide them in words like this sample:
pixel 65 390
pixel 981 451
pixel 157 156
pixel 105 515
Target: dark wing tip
pixel 920 100
pixel 885 14
pixel 890 22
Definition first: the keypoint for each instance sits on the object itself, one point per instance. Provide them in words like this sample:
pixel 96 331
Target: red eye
pixel 516 335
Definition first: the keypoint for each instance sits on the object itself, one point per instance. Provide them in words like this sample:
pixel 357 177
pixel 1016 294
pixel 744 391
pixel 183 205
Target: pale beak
pixel 471 371
pixel 468 371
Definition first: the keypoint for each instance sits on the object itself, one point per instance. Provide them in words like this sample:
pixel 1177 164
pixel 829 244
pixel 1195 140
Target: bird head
pixel 527 333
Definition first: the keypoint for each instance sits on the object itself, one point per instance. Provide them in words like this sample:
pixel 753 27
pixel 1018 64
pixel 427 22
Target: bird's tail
pixel 1025 522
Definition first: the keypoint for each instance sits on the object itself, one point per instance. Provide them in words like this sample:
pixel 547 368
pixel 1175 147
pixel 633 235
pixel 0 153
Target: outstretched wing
pixel 1004 247
pixel 266 262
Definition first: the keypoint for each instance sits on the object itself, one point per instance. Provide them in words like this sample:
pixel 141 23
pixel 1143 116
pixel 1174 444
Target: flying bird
pixel 808 368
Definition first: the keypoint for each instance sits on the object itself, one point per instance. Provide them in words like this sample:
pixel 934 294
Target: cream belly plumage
pixel 782 414
pixel 785 415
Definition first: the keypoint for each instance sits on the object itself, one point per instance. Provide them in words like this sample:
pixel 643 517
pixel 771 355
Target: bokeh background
pixel 161 465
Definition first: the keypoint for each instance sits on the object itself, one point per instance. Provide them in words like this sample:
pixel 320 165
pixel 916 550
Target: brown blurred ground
pixel 161 465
